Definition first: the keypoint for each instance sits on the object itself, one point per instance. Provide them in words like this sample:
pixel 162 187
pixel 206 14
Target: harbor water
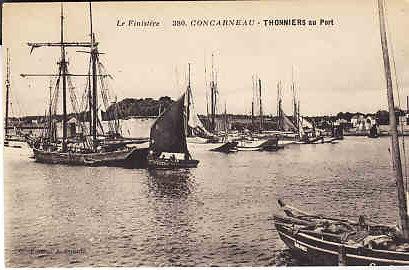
pixel 219 214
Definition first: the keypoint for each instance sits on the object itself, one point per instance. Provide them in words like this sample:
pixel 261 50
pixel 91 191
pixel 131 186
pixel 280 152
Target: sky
pixel 334 67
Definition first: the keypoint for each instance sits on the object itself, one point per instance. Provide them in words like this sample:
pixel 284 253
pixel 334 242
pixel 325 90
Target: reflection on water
pixel 177 184
pixel 217 214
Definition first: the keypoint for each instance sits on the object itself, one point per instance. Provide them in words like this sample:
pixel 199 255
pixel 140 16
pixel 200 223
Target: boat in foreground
pixel 319 240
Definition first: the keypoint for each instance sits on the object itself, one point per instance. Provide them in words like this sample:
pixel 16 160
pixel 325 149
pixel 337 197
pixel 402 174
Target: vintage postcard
pixel 225 133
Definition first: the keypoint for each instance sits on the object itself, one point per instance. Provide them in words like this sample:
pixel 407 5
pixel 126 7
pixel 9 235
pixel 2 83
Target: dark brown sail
pixel 168 131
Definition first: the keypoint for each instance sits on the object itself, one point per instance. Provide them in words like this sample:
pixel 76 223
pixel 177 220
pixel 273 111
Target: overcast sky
pixel 336 68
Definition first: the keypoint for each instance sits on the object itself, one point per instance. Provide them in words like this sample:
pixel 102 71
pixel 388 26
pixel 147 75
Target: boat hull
pixel 313 250
pixel 15 141
pixel 227 147
pixel 158 163
pixel 14 144
pixel 85 159
pixel 251 145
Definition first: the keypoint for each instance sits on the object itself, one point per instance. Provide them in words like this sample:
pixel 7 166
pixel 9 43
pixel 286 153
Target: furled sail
pixel 195 125
pixel 287 124
pixel 304 125
pixel 168 131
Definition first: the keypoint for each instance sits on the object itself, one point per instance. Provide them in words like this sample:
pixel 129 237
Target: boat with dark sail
pixel 168 147
pixel 167 144
pixel 319 240
pixel 88 147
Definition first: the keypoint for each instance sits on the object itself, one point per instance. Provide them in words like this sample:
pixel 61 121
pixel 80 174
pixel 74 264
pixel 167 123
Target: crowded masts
pixel 63 69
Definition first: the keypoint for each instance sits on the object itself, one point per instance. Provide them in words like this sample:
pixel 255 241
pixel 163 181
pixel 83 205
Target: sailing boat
pixel 10 140
pixel 257 141
pixel 82 149
pixel 198 136
pixel 285 126
pixel 328 241
pixel 168 148
pixel 167 144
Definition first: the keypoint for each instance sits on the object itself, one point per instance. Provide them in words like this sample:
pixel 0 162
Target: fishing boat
pixel 251 144
pixel 285 127
pixel 16 140
pixel 197 135
pixel 320 240
pixel 168 147
pixel 257 139
pixel 227 147
pixel 90 146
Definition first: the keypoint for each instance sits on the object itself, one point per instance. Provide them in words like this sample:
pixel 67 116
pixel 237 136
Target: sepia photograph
pixel 205 133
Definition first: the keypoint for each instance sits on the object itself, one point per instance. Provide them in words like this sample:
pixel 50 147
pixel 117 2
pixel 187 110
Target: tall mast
pixel 89 79
pixel 252 104
pixel 207 93
pixel 188 101
pixel 225 119
pixel 295 114
pixel 63 67
pixel 213 97
pixel 50 129
pixel 261 105
pixel 279 110
pixel 299 116
pixel 6 124
pixel 94 59
pixel 396 160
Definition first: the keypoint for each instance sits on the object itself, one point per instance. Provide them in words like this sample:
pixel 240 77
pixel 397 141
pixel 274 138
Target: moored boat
pixel 15 140
pixel 319 240
pixel 251 145
pixel 117 157
pixel 91 146
pixel 227 147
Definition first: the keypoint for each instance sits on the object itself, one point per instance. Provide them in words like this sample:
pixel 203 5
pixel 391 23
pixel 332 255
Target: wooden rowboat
pixel 318 240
